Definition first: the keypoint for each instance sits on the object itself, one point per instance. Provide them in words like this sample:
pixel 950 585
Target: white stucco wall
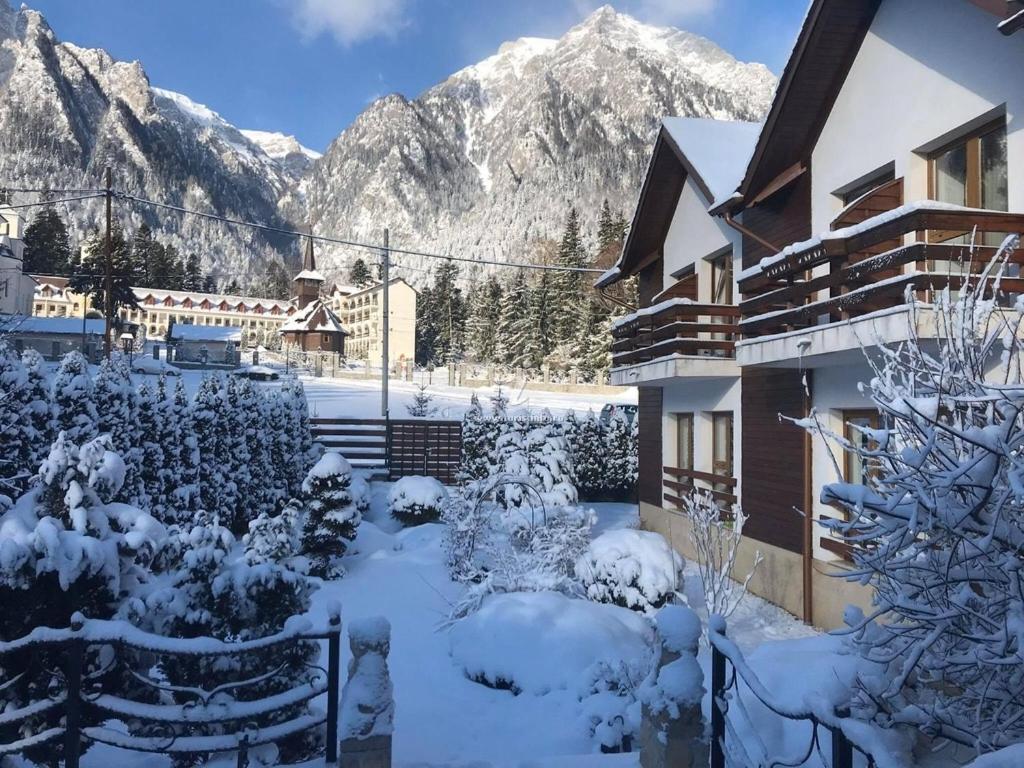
pixel 833 390
pixel 693 236
pixel 926 68
pixel 701 398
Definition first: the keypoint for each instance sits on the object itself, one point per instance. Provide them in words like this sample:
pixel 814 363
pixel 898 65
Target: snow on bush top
pixel 635 569
pixel 331 464
pixel 536 642
pixel 416 491
pixel 679 628
pixel 370 631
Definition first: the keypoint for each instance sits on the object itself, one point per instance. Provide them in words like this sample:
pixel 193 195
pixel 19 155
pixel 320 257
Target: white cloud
pixel 349 21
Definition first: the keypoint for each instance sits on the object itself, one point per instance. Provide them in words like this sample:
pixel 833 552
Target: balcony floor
pixel 836 343
pixel 675 367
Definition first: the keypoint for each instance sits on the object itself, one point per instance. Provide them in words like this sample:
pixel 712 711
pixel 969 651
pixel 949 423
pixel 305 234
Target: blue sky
pixel 308 67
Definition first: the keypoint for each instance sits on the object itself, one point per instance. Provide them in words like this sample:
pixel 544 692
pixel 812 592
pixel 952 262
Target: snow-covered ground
pixel 360 399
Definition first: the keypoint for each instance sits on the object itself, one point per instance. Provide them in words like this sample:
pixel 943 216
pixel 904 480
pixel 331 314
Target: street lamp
pixel 128 345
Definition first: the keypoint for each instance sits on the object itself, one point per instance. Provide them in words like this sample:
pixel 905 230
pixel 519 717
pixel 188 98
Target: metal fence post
pixel 717 715
pixel 842 749
pixel 73 705
pixel 333 686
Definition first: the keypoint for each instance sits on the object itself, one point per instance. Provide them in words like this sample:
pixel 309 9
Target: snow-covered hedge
pixel 543 641
pixel 597 460
pixel 633 569
pixel 415 500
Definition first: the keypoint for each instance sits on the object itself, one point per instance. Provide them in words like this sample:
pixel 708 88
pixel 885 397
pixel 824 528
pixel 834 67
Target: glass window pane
pixel 951 176
pixel 684 442
pixel 993 171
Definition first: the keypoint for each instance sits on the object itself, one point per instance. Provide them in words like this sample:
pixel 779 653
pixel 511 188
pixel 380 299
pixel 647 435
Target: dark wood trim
pixel 707 477
pixel 650 403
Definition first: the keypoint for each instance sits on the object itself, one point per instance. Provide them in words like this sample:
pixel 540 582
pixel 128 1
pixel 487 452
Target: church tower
pixel 308 282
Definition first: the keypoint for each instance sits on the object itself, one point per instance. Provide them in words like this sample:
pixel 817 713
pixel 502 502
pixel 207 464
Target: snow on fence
pixel 736 737
pixel 80 678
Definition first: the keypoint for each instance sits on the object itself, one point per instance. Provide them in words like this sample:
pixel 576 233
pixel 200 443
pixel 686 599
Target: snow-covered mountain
pixel 66 112
pixel 483 163
pixel 493 157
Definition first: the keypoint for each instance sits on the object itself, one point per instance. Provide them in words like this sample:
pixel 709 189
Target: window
pixel 721 278
pixel 859 469
pixel 684 441
pixel 721 447
pixel 972 170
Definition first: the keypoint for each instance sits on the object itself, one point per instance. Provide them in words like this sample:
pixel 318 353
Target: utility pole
pixel 108 291
pixel 385 264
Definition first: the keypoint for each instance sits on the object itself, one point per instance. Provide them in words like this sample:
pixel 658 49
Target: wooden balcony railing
pixel 788 291
pixel 676 327
pixel 684 481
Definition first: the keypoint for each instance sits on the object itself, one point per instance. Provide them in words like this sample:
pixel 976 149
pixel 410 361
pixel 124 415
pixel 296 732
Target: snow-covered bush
pixel 331 516
pixel 622 466
pixel 359 490
pixel 611 712
pixel 414 500
pixel 543 641
pixel 590 458
pixel 938 530
pixel 716 540
pixel 72 399
pixel 633 569
pixel 538 454
pixel 19 432
pixel 478 436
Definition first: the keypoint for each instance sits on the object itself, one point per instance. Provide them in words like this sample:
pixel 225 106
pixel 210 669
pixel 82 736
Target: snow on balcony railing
pixel 675 326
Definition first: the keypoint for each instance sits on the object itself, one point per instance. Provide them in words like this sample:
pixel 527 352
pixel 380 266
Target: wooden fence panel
pixel 432 448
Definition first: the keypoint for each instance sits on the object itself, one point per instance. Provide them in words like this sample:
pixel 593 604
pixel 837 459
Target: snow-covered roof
pixel 225 333
pixel 309 274
pixel 315 317
pixel 57 325
pixel 718 150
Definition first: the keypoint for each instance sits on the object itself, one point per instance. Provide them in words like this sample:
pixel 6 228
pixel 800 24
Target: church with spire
pixel 315 327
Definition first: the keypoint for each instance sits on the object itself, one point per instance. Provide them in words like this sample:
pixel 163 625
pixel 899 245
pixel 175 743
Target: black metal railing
pixel 71 685
pixel 728 748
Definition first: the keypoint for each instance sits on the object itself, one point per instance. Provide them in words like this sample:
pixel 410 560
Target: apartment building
pixel 889 139
pixel 260 319
pixel 362 312
pixel 16 288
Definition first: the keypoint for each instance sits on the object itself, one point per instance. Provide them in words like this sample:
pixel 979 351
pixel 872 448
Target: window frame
pixel 680 419
pixel 971 141
pixel 874 419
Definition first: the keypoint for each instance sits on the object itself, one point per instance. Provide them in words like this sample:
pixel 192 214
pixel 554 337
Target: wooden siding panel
pixel 782 219
pixel 651 281
pixel 650 445
pixel 774 471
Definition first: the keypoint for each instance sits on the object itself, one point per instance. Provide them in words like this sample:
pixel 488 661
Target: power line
pixel 349 243
pixel 5 206
pixel 45 191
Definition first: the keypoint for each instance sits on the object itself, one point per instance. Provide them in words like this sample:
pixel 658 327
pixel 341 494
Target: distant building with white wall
pixel 16 287
pixel 362 311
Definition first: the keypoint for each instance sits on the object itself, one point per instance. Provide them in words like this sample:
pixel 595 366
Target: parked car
pixel 147 365
pixel 610 409
pixel 257 373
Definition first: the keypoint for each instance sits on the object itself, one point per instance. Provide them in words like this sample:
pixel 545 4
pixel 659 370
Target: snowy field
pixel 443 719
pixel 360 399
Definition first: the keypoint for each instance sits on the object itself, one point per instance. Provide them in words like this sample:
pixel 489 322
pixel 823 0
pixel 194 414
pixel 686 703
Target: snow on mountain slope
pixel 67 111
pixel 293 158
pixel 491 159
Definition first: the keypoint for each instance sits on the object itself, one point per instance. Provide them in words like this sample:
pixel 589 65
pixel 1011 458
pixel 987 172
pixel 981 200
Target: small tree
pixel 331 517
pixel 421 405
pixel 72 398
pixel 359 274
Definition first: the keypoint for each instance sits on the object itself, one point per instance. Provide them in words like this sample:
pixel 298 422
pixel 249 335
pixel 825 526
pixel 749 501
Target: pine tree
pixel 477 443
pixel 592 350
pixel 589 459
pixel 302 453
pixel 484 319
pixel 47 245
pixel 143 253
pixel 421 403
pixel 359 274
pixel 192 274
pixel 442 313
pixel 17 431
pixel 567 289
pixel 181 452
pixel 331 517
pixel 72 398
pixel 117 416
pixel 514 323
pixel 39 408
pixel 91 280
pixel 542 332
pixel 620 457
pixel 211 422
pixel 153 461
pixel 607 230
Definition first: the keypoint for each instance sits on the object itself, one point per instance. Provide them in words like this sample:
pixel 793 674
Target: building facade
pixel 362 311
pixel 888 142
pixel 16 287
pixel 259 319
pixel 315 327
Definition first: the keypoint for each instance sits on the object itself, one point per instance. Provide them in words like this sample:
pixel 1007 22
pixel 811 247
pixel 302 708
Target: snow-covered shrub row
pixel 598 460
pixel 633 569
pixel 414 500
pixel 235 450
pixel 938 527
